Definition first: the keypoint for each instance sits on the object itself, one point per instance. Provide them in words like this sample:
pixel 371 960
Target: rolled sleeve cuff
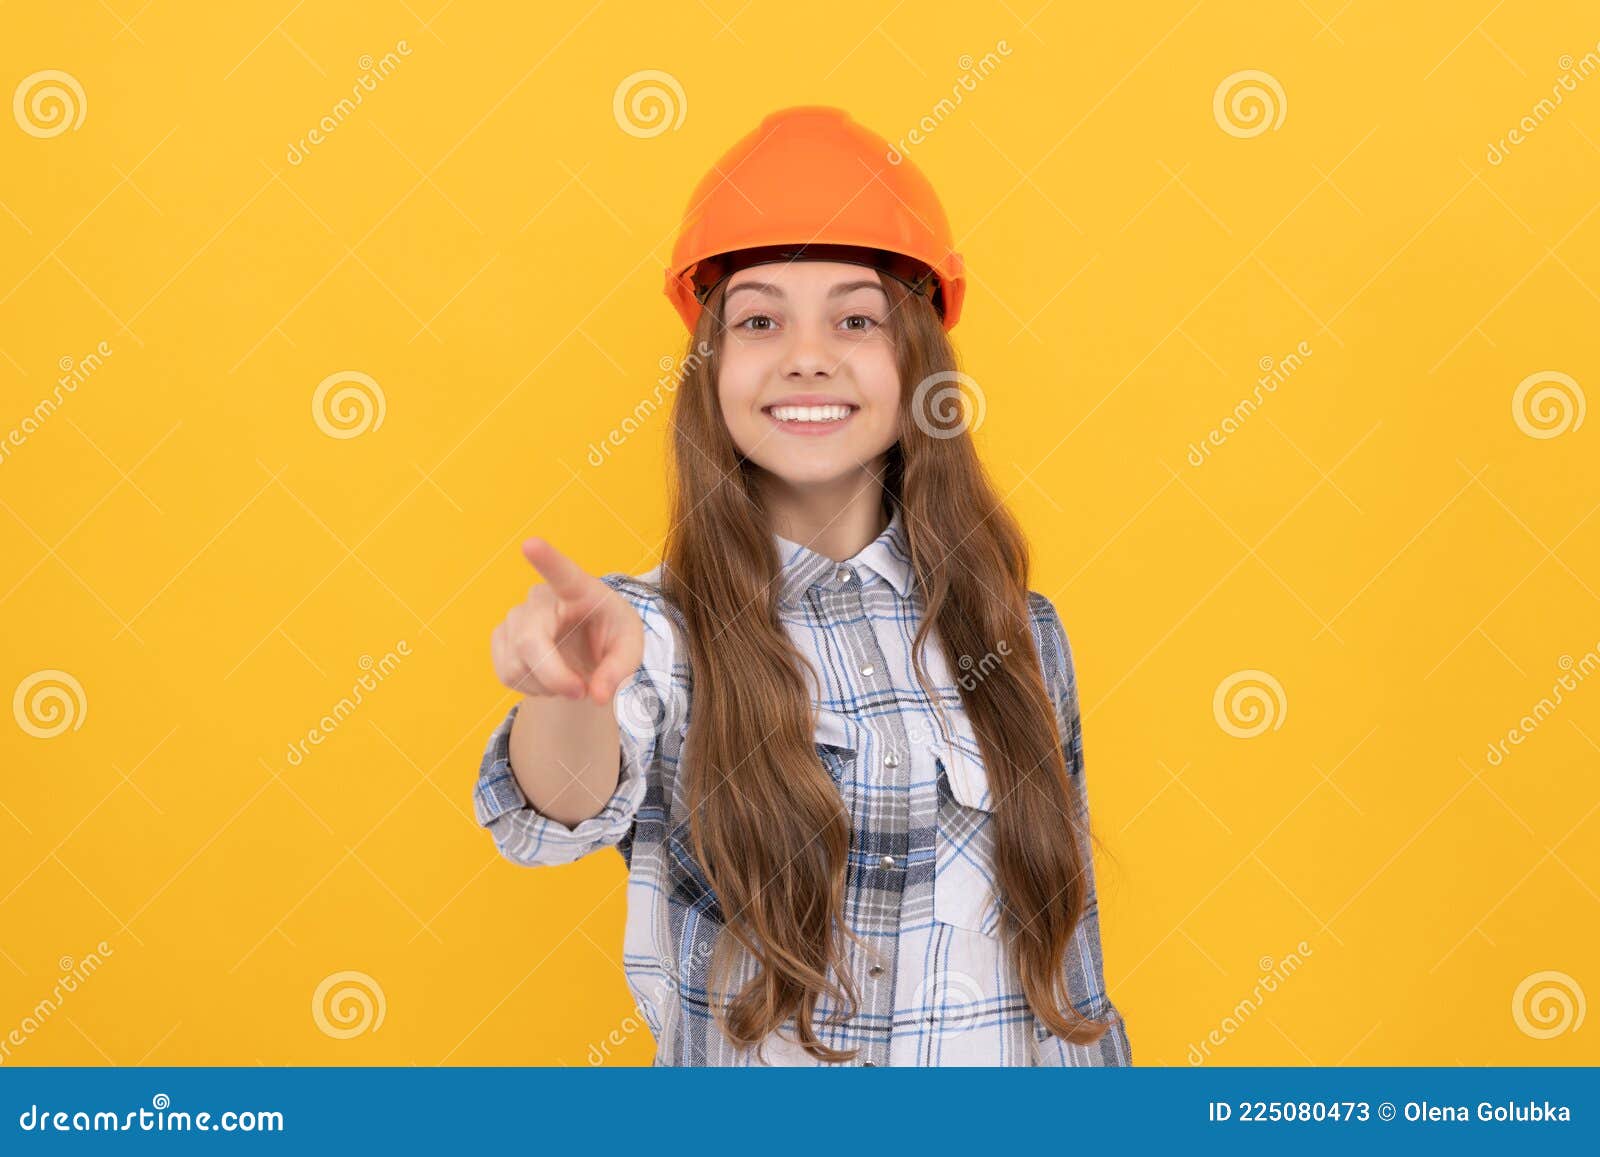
pixel 525 835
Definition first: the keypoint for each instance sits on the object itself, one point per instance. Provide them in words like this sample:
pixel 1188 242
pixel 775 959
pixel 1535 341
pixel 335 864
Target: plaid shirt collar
pixel 888 557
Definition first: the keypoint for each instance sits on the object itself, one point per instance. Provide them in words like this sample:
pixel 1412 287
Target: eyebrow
pixel 839 290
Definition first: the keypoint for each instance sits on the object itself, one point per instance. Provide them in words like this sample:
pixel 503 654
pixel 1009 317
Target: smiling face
pixel 809 386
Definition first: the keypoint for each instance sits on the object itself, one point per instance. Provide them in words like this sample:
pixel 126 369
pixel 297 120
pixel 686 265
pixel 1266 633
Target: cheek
pixel 880 394
pixel 881 430
pixel 737 389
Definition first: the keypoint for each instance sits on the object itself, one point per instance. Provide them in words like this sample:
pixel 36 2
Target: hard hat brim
pixel 690 287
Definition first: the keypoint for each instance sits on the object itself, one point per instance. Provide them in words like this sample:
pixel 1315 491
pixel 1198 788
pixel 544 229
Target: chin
pixel 807 474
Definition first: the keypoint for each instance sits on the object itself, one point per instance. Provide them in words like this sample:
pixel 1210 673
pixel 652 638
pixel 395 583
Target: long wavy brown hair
pixel 767 825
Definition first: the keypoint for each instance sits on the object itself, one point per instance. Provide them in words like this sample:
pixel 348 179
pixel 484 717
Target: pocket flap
pixel 836 730
pixel 963 761
pixel 958 749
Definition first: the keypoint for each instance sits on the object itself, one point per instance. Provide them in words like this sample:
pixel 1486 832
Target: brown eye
pixel 871 322
pixel 753 317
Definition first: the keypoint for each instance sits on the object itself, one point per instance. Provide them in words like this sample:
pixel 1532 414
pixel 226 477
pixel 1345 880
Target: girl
pixel 834 735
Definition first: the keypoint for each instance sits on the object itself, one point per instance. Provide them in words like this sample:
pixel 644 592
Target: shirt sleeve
pixel 645 704
pixel 1084 963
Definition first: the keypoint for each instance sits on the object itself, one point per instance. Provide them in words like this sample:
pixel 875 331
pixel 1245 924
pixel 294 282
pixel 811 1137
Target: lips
pixel 810 419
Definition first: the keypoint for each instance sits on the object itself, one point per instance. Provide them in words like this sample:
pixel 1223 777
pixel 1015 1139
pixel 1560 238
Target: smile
pixel 810 419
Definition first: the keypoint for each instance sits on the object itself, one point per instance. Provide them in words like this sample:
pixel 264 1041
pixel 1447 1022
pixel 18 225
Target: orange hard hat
pixel 809 183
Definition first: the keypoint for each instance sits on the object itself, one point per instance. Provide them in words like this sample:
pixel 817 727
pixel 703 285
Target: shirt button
pixel 875 970
pixel 843 574
pixel 868 669
pixel 891 760
pixel 868 1064
pixel 887 862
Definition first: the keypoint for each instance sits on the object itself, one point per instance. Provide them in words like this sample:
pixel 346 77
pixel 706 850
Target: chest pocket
pixel 964 894
pixel 837 745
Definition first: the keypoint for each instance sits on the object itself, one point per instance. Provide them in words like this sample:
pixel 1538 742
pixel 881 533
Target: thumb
pixel 609 674
pixel 623 653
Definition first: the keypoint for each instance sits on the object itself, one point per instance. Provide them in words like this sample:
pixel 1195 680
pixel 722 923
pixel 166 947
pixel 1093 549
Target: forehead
pixel 807 273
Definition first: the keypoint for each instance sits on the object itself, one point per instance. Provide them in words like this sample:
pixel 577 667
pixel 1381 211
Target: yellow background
pixel 484 240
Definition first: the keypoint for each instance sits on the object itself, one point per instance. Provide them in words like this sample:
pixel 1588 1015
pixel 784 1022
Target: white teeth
pixel 810 413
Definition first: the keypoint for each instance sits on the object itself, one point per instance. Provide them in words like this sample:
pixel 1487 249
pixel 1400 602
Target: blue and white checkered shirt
pixel 936 986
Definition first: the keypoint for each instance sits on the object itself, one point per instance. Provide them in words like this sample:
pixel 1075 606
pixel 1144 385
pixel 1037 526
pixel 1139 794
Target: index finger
pixel 566 578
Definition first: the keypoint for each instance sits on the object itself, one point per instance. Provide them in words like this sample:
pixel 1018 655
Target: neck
pixel 837 521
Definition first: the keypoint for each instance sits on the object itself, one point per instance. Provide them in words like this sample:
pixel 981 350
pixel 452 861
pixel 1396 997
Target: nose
pixel 807 355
